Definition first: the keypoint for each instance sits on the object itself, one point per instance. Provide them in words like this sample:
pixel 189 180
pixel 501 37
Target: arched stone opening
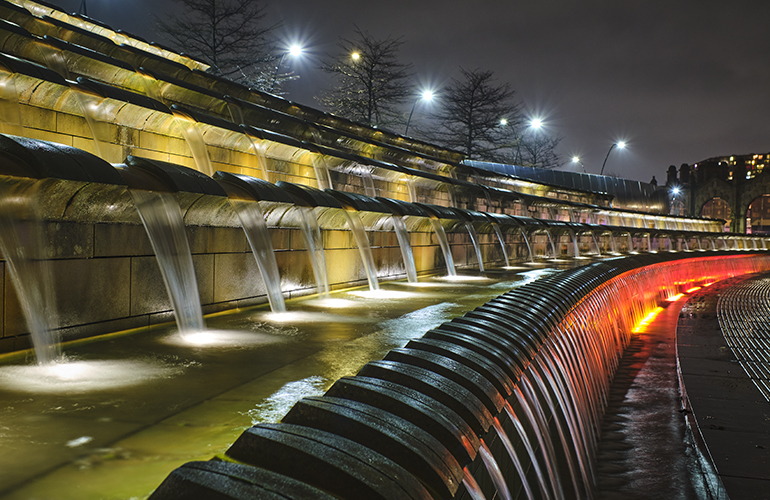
pixel 717 208
pixel 758 215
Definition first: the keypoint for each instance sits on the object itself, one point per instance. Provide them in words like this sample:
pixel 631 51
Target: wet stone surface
pixel 642 452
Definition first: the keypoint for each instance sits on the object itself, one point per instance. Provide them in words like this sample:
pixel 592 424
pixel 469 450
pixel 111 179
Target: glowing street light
pixel 426 95
pixel 355 56
pixel 295 50
pixel 536 124
pixel 576 159
pixel 619 145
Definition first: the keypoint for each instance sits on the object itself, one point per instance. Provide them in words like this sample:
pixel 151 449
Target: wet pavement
pixel 648 449
pixel 727 410
pixel 642 452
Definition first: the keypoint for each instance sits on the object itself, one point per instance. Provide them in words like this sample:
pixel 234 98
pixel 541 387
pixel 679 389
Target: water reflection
pixel 74 377
pixel 249 366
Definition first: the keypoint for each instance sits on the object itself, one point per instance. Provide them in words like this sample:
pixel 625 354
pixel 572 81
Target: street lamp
pixel 619 145
pixel 295 50
pixel 576 159
pixel 426 95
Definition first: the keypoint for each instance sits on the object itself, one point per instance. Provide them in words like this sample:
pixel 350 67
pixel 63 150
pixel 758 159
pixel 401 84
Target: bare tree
pixel 371 82
pixel 228 35
pixel 538 150
pixel 470 116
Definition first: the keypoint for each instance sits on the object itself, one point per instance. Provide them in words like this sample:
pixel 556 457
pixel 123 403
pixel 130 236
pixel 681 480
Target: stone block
pixel 344 266
pixel 39 118
pixel 236 277
pixel 91 290
pixel 68 240
pixel 45 135
pixel 207 239
pixel 112 240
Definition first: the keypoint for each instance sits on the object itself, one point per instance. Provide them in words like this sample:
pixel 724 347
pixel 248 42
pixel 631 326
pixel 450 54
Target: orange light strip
pixel 647 319
pixel 693 289
pixel 676 297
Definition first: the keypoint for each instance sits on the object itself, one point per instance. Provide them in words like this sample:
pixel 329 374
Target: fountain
pixel 500 397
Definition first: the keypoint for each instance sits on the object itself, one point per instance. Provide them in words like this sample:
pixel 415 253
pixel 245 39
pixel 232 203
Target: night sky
pixel 679 81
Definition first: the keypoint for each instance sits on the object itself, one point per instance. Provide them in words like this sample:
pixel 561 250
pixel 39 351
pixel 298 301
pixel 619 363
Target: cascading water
pixel 162 219
pixel 551 244
pixel 494 472
pixel 258 146
pixel 10 110
pixel 596 244
pixel 529 246
pixel 322 174
pixel 500 238
pixel 509 448
pixel 575 245
pixel 406 248
pixel 311 233
pixel 359 234
pixel 369 188
pixel 23 246
pixel 444 244
pixel 254 225
pixel 475 241
pixel 194 139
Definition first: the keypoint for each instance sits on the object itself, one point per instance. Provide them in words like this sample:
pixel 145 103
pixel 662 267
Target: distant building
pixel 725 187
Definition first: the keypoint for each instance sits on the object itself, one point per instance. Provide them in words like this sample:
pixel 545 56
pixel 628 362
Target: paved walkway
pixel 726 407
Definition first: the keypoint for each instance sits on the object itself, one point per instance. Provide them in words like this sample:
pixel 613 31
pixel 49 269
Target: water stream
pixel 311 233
pixel 499 233
pixel 254 226
pixel 362 241
pixel 444 244
pixel 162 219
pixel 406 248
pixel 475 241
pixel 22 243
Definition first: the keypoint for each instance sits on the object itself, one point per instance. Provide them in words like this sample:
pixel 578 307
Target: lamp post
pixel 620 145
pixel 83 9
pixel 426 95
pixel 576 159
pixel 294 51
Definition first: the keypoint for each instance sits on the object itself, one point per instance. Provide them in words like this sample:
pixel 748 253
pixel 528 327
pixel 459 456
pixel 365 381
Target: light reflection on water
pixel 278 404
pixel 205 387
pixel 72 377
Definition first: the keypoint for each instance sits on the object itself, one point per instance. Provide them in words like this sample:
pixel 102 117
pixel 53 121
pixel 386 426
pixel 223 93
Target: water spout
pixel 254 226
pixel 162 219
pixel 444 244
pixel 475 241
pixel 359 234
pixel 500 238
pixel 22 245
pixel 314 243
pixel 406 248
pixel 194 139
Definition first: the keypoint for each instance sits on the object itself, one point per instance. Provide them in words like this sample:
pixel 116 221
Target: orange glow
pixel 676 297
pixel 647 320
pixel 693 289
pixel 708 284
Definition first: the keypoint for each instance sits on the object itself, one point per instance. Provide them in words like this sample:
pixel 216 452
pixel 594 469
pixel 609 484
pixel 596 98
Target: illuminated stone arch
pixel 751 191
pixel 715 188
pixel 713 210
pixel 760 220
